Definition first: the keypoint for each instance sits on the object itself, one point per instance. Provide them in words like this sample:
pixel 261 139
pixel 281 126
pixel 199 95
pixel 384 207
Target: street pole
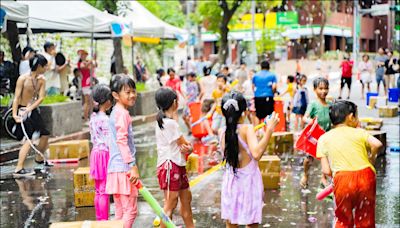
pixel 188 39
pixel 253 35
pixel 355 32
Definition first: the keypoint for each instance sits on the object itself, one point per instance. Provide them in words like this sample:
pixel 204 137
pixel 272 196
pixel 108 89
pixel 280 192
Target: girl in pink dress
pixel 99 134
pixel 242 187
pixel 122 161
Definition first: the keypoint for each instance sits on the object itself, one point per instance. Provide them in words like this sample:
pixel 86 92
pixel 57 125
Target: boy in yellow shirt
pixel 348 153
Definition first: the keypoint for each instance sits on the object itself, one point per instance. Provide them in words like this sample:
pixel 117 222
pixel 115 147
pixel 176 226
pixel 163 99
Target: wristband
pixel 131 164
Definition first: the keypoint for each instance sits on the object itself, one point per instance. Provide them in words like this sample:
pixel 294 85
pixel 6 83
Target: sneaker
pixel 23 172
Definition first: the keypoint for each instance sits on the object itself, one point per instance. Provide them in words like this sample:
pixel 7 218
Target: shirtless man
pixel 29 93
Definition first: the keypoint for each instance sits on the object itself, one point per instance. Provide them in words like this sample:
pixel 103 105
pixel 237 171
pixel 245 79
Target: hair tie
pixel 232 102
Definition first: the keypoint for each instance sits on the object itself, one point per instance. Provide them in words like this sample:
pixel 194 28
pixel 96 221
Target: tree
pixel 111 7
pixel 321 10
pixel 217 15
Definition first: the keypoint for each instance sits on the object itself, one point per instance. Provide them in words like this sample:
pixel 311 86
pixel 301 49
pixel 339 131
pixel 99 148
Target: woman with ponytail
pixel 171 163
pixel 242 186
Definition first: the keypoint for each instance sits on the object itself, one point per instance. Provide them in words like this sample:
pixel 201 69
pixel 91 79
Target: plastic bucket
pixel 394 94
pixel 369 95
pixel 308 139
pixel 198 131
pixel 279 110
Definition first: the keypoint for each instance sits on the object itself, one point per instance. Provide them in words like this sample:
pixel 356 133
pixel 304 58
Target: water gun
pixel 235 82
pixel 264 123
pixel 325 192
pixel 201 120
pixel 154 204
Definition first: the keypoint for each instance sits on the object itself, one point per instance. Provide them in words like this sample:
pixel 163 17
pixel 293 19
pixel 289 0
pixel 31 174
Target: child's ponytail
pixel 233 105
pixel 165 98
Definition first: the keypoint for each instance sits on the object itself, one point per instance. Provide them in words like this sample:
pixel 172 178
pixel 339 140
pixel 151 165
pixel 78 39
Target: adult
pixel 392 67
pixel 86 67
pixel 365 70
pixel 190 65
pixel 64 72
pixel 140 70
pixel 52 74
pixel 200 65
pixel 347 73
pixel 7 70
pixel 173 82
pixel 29 94
pixel 380 60
pixel 27 54
pixel 264 86
pixel 207 84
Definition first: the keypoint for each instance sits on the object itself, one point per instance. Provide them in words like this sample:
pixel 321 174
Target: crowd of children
pixel 226 108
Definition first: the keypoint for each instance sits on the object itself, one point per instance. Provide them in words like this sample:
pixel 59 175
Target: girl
pixel 300 102
pixel 192 92
pixel 171 164
pixel 99 132
pixel 365 69
pixel 122 152
pixel 86 67
pixel 242 186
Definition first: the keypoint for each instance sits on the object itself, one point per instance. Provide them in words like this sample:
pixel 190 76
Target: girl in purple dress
pixel 242 186
pixel 99 134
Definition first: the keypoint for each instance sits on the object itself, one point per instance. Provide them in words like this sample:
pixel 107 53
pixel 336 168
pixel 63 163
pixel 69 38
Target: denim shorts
pixel 379 78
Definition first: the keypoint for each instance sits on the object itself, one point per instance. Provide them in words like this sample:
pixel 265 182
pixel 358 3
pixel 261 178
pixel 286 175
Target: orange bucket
pixel 198 131
pixel 307 142
pixel 279 110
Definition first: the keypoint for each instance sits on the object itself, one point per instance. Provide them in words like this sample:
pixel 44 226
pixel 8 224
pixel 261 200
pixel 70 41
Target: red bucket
pixel 307 142
pixel 279 110
pixel 198 131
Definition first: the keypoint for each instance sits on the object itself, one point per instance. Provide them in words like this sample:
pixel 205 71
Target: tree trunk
pixel 119 62
pixel 322 39
pixel 13 39
pixel 223 50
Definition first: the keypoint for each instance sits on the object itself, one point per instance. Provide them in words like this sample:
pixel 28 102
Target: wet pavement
pixel 48 197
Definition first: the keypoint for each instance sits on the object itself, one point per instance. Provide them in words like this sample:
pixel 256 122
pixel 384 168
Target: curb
pixel 12 154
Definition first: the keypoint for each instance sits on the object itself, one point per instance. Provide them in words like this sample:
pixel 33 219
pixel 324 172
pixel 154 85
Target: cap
pixel 47 45
pixel 28 49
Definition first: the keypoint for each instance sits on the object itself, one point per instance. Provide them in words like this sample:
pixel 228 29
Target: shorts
pixel 264 106
pixel 86 90
pixel 177 174
pixel 379 78
pixel 218 121
pixel 299 110
pixel 33 124
pixel 344 81
pixel 53 91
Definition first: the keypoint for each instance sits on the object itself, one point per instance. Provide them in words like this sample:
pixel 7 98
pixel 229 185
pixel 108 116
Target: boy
pixel 29 94
pixel 351 166
pixel 291 90
pixel 347 67
pixel 320 109
pixel 217 94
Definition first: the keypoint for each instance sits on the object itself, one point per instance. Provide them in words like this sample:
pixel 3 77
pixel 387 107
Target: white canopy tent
pixel 145 24
pixel 68 16
pixel 16 11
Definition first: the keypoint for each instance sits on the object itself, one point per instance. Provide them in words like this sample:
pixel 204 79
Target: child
pixel 347 66
pixel 122 152
pixel 76 81
pixel 319 109
pixel 217 94
pixel 354 178
pixel 171 163
pixel 99 134
pixel 248 93
pixel 192 92
pixel 300 102
pixel 242 187
pixel 291 90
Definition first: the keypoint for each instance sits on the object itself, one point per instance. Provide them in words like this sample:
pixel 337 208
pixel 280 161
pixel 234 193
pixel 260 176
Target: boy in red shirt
pixel 347 72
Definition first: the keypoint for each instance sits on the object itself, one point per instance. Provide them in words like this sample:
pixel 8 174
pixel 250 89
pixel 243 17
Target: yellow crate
pixel 388 111
pixel 270 163
pixel 82 178
pixel 69 149
pixel 84 198
pixel 91 224
pixel 280 142
pixel 271 180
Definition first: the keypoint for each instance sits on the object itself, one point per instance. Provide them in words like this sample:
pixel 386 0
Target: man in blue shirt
pixel 264 86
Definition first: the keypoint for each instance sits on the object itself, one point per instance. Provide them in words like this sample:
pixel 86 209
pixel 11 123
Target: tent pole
pixel 92 54
pixel 162 55
pixel 133 58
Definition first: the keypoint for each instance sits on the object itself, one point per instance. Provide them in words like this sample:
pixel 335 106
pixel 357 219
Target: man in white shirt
pixel 52 75
pixel 27 54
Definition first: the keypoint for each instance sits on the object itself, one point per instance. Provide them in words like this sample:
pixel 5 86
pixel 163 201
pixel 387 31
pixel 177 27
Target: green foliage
pixel 168 11
pixel 141 87
pixel 270 38
pixel 6 100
